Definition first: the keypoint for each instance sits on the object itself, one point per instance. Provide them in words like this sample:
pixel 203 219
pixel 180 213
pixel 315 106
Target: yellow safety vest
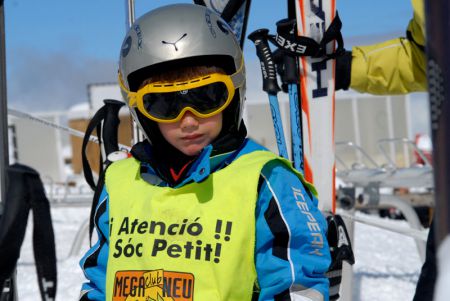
pixel 195 242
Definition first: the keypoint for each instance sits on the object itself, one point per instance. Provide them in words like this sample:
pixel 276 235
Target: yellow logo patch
pixel 156 285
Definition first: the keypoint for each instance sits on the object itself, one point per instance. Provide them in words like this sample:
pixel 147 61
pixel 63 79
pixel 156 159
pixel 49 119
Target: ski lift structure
pixel 371 186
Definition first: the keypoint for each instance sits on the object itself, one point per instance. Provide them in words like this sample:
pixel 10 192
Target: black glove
pixel 340 249
pixel 343 71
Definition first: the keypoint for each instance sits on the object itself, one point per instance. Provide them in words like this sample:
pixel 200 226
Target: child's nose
pixel 189 120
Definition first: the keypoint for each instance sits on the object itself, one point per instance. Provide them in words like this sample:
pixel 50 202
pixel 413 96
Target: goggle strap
pixel 131 95
pixel 238 78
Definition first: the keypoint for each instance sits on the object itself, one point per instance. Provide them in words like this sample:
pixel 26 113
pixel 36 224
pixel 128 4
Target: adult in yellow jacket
pixel 396 66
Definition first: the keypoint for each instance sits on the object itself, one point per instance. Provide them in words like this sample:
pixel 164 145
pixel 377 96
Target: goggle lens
pixel 169 105
pixel 203 96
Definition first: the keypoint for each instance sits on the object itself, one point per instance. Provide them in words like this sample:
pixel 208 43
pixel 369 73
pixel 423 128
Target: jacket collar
pixel 198 171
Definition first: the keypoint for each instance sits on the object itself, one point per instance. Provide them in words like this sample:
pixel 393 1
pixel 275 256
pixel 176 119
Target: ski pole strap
pixel 94 123
pixel 9 292
pixel 108 115
pixel 287 69
pixel 95 201
pixel 111 125
pixel 287 40
pixel 43 239
pixel 259 37
pixel 25 192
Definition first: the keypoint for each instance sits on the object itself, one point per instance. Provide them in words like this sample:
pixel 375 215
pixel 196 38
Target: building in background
pixel 38 146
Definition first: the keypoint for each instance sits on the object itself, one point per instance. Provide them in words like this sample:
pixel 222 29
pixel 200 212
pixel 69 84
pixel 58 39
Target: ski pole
pixel 294 109
pixel 290 77
pixel 111 126
pixel 270 85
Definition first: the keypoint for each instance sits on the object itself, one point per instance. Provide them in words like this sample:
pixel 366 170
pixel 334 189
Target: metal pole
pixel 438 73
pixel 130 18
pixel 4 160
pixel 130 13
pixel 9 291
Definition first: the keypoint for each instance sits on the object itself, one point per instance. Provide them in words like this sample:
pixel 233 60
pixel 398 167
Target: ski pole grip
pixel 259 38
pixel 286 27
pixel 111 125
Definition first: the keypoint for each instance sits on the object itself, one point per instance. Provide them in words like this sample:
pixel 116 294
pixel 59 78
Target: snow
pixel 387 264
pixel 66 221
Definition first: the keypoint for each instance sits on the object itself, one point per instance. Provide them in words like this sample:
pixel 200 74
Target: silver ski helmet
pixel 180 35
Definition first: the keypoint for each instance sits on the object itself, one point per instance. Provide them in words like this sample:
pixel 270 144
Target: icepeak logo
pixel 174 44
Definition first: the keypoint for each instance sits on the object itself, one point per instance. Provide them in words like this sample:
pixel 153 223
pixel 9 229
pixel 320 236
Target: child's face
pixel 191 133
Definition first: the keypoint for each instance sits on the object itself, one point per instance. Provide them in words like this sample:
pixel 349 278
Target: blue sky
pixel 55 48
pixel 96 27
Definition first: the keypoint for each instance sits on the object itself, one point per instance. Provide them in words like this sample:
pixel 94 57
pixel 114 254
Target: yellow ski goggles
pixel 204 96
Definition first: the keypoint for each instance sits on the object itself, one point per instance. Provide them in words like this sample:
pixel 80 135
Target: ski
pixel 235 12
pixel 317 100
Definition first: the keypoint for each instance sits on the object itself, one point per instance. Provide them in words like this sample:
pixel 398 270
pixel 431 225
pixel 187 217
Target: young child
pixel 199 212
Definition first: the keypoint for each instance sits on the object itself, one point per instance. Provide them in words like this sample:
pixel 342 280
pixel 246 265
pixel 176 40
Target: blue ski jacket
pixel 299 276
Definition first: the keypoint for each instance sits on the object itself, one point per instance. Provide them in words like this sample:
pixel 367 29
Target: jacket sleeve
pixel 95 260
pixel 291 252
pixel 397 66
